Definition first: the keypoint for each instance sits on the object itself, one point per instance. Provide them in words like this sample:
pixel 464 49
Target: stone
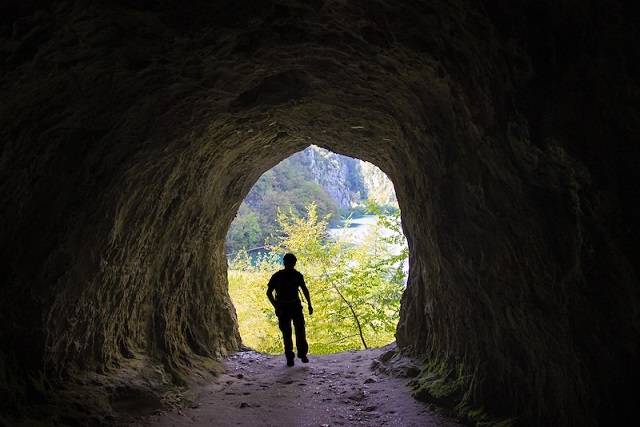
pixel 130 135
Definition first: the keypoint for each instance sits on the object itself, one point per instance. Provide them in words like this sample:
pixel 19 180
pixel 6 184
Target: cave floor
pixel 332 390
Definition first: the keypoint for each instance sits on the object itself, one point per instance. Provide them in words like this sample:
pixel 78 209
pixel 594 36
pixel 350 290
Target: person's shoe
pixel 304 359
pixel 290 362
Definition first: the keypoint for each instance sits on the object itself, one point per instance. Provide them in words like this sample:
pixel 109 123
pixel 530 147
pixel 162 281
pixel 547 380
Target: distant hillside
pixel 350 181
pixel 335 183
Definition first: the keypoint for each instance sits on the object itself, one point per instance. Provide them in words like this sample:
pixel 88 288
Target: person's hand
pixel 310 310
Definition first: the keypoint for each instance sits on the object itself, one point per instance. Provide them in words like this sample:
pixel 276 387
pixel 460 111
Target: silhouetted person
pixel 289 307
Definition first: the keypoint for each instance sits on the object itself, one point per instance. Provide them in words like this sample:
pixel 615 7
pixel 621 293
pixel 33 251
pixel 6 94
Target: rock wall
pixel 379 186
pixel 330 171
pixel 131 132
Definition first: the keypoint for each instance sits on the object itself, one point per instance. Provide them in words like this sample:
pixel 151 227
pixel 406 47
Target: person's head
pixel 289 260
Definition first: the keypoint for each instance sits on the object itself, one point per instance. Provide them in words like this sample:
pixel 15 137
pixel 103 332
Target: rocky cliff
pixel 331 171
pixel 347 180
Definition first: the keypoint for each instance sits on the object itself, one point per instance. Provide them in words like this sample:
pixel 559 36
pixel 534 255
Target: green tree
pixel 289 185
pixel 245 231
pixel 355 287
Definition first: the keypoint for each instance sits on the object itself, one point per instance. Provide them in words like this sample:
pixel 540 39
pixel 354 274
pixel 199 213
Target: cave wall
pixel 131 132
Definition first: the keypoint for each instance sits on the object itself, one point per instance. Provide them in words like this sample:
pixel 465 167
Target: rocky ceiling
pixel 131 131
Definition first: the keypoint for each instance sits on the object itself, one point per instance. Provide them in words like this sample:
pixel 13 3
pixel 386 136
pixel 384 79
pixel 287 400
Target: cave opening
pixel 132 134
pixel 342 216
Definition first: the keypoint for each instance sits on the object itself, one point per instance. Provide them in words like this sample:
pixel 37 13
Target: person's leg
pixel 284 322
pixel 301 337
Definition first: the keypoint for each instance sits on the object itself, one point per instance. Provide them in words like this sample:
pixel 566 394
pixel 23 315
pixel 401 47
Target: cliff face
pixel 331 172
pixel 131 133
pixel 349 181
pixel 378 186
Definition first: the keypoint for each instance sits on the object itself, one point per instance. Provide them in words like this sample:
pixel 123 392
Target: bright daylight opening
pixel 340 217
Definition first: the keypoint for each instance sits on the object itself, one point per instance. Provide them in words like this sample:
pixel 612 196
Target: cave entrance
pixel 341 218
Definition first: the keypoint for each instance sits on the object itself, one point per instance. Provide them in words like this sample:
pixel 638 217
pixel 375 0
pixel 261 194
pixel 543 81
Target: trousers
pixel 287 314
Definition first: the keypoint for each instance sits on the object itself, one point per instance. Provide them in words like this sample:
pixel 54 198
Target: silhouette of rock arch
pixel 130 134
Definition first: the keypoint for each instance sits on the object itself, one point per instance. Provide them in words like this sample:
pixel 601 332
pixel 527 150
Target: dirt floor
pixel 342 389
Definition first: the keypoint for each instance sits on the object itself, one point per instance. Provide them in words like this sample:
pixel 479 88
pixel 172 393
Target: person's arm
pixel 270 288
pixel 305 291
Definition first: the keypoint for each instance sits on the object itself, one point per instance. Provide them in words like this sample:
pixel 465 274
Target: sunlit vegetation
pixel 355 286
pixel 339 186
pixel 289 185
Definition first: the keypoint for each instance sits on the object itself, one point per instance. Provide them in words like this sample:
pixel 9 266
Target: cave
pixel 132 130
